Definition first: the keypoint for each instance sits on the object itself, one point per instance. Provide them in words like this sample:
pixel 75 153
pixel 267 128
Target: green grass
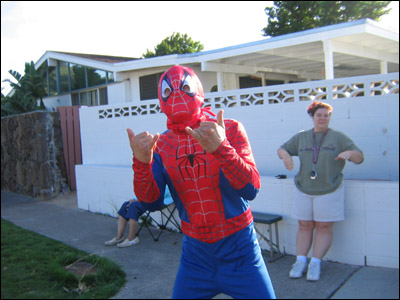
pixel 33 267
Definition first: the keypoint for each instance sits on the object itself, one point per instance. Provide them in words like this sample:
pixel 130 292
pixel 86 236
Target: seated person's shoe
pixel 114 241
pixel 128 243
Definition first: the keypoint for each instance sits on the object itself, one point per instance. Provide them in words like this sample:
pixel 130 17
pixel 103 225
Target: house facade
pixel 267 86
pixel 338 51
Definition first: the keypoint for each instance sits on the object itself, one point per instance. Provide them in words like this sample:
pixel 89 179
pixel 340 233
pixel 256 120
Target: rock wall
pixel 32 159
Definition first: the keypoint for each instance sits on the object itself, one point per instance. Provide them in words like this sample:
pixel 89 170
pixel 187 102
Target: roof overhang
pixel 51 56
pixel 358 48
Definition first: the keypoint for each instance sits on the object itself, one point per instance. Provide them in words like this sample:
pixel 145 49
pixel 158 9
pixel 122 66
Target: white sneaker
pixel 314 271
pixel 297 269
pixel 128 243
pixel 114 241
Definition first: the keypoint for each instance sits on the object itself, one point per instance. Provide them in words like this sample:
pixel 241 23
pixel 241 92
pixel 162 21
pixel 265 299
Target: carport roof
pixel 355 48
pixel 358 48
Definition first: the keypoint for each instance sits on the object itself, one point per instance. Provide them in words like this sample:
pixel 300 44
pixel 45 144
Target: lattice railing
pixel 130 110
pixel 336 89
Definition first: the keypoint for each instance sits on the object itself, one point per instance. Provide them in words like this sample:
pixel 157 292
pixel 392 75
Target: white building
pixel 337 51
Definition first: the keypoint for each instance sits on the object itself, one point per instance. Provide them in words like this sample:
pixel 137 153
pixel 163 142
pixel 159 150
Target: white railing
pixel 343 88
pixel 373 85
pixel 365 108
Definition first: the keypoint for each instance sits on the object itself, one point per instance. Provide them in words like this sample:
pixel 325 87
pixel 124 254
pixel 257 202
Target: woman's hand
pixel 354 156
pixel 287 159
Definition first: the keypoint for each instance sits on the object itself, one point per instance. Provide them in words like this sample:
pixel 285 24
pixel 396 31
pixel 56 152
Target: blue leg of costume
pixel 233 266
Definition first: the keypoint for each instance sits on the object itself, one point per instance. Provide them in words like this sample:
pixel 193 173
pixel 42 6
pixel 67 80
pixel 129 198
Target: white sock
pixel 315 260
pixel 302 258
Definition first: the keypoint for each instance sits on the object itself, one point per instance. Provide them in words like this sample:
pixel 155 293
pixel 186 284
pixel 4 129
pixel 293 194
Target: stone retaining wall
pixel 32 159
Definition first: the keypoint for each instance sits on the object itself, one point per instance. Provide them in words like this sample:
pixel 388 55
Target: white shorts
pixel 319 208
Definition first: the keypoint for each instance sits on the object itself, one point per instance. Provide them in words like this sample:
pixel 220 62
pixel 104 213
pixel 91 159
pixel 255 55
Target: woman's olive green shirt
pixel 329 170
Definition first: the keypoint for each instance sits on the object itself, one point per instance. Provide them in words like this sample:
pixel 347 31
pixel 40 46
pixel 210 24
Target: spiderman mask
pixel 181 96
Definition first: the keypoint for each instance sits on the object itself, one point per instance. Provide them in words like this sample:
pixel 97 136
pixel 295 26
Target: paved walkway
pixel 151 266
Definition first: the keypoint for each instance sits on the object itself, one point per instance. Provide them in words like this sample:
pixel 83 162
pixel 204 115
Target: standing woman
pixel 319 193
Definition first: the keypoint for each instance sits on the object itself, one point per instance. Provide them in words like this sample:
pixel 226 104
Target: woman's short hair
pixel 313 107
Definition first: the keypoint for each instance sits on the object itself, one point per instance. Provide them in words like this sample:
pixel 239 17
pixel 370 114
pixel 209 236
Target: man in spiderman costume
pixel 211 173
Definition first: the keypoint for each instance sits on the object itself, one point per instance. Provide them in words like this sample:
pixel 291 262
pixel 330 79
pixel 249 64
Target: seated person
pixel 130 210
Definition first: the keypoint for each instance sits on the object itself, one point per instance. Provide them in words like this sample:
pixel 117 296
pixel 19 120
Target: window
pixel 110 77
pixel 78 77
pixel 249 82
pixel 96 77
pixel 64 76
pixel 75 99
pixel 149 86
pixel 273 82
pixel 84 98
pixel 90 98
pixel 52 80
pixel 103 96
pixel 68 77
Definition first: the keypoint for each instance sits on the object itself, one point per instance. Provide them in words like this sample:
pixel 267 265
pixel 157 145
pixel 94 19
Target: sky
pixel 127 28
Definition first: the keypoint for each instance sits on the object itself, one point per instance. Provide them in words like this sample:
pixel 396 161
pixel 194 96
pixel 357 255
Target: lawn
pixel 35 267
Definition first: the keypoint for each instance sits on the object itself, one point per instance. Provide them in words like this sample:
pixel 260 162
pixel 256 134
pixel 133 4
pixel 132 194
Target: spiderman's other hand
pixel 210 135
pixel 143 145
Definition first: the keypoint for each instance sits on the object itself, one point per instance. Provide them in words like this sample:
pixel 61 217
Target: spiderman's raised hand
pixel 143 145
pixel 209 134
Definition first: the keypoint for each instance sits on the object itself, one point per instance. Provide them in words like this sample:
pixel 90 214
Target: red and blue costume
pixel 211 191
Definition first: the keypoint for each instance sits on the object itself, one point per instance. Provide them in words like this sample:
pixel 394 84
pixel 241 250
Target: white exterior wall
pixel 370 231
pixel 369 234
pixel 372 123
pixel 118 93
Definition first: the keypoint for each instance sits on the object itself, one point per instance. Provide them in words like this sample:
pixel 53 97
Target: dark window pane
pixel 273 82
pixel 149 86
pixel 78 77
pixel 95 77
pixel 249 82
pixel 64 84
pixel 103 96
pixel 52 81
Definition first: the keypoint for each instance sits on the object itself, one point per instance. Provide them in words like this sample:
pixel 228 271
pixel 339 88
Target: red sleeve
pixel 145 186
pixel 236 157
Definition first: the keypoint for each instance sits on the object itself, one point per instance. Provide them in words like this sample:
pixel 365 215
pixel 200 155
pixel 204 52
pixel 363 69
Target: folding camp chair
pixel 167 216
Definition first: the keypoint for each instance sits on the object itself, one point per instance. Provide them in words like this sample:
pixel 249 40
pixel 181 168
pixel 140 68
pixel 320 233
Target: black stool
pixel 269 219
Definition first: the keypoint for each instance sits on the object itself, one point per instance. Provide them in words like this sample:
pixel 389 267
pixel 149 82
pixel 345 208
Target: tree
pixel 175 44
pixel 28 89
pixel 292 16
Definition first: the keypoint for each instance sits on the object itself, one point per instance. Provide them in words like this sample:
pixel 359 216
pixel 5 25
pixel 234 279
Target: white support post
pixel 329 72
pixel 384 67
pixel 220 81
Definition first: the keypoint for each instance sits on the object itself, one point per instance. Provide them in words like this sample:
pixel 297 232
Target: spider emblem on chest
pixel 192 163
